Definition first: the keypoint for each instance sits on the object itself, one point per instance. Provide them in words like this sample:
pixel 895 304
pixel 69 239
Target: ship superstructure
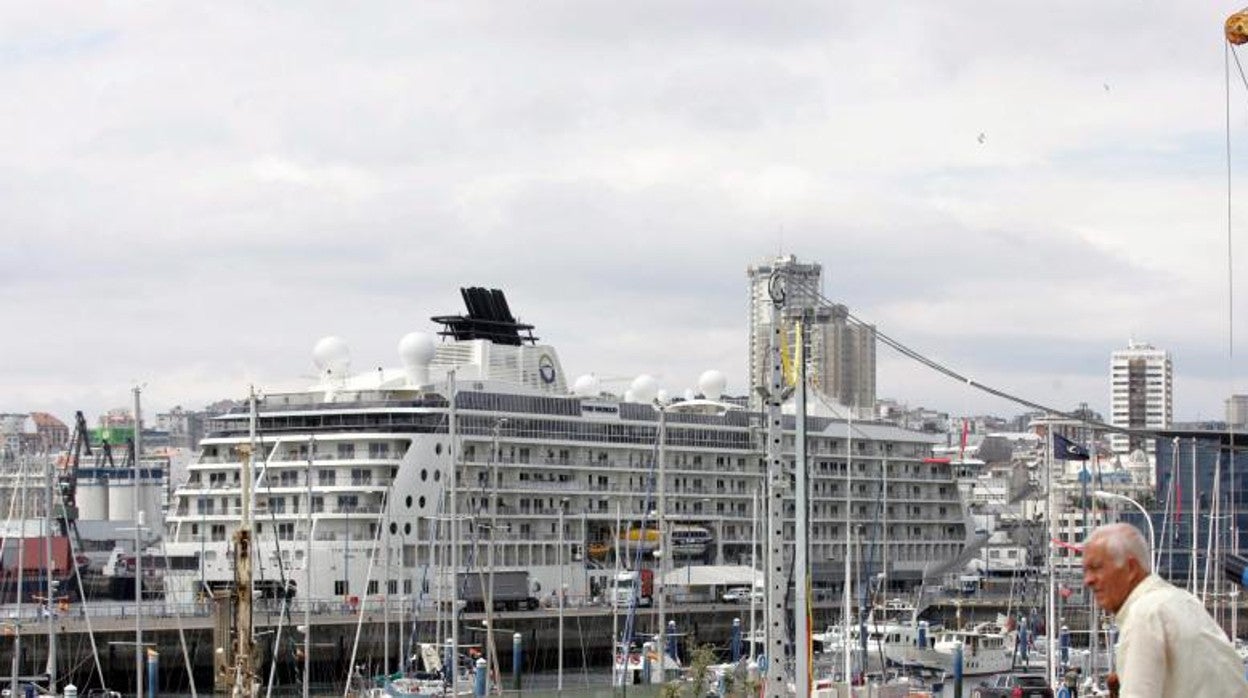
pixel 363 464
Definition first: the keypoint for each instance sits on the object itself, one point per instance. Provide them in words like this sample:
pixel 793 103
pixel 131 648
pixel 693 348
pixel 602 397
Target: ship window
pixel 346 451
pixel 437 475
pixel 394 528
pixel 407 528
pixel 424 474
pixel 318 505
pixel 408 501
pixel 421 502
pixel 379 450
pixel 372 586
pixel 437 448
pixel 341 587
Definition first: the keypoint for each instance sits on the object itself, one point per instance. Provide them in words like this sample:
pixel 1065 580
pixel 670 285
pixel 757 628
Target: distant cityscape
pixel 841 355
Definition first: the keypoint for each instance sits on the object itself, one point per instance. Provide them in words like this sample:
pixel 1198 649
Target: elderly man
pixel 1168 645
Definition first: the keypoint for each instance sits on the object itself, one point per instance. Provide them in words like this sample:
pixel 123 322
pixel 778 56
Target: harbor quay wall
pixel 587 640
pixel 587 632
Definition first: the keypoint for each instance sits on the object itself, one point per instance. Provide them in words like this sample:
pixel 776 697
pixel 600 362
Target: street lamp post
pixel 1152 535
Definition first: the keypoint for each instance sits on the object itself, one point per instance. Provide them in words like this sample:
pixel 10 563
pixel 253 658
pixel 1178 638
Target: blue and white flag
pixel 1065 449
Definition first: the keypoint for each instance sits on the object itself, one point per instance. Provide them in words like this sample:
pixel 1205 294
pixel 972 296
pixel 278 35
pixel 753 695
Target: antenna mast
pixel 776 685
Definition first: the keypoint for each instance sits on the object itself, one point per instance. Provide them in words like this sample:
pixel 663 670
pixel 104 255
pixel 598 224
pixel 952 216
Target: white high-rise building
pixel 1237 411
pixel 842 353
pixel 1141 394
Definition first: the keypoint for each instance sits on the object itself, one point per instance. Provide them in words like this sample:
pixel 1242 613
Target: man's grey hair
pixel 1122 542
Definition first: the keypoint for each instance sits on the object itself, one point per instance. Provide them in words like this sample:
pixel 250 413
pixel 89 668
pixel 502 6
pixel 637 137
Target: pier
pixel 587 638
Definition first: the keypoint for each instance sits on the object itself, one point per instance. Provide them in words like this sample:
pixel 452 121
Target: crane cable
pixel 949 372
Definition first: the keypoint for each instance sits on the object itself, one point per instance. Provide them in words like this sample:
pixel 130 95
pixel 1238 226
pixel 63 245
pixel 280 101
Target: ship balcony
pixel 343 512
pixel 339 487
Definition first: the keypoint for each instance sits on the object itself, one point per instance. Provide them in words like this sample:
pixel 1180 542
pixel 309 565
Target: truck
pixel 630 582
pixel 511 591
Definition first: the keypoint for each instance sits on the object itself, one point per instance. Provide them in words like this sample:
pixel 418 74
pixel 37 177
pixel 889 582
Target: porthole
pixel 421 501
pixel 407 529
pixel 437 448
pixel 394 528
pixel 437 475
pixel 424 474
pixel 409 501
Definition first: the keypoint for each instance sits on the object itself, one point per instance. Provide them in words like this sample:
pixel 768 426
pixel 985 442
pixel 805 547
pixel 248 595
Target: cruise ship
pixel 476 450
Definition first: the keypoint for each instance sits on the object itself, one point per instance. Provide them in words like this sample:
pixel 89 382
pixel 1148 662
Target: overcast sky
pixel 192 194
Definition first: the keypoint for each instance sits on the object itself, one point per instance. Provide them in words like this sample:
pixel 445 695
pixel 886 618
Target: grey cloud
pixel 204 192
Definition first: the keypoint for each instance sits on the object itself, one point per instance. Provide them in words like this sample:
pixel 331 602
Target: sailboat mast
pixel 1193 571
pixel 385 594
pixel 20 488
pixel 753 567
pixel 620 651
pixel 244 669
pixel 307 573
pixel 1050 618
pixel 138 549
pixel 47 564
pixel 660 586
pixel 453 452
pixel 800 563
pixel 846 593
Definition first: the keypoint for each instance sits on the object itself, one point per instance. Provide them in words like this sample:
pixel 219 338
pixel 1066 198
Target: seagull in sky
pixel 981 138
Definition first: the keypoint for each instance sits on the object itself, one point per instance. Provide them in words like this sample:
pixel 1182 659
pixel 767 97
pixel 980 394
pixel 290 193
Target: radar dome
pixel 416 348
pixel 712 384
pixel 586 385
pixel 331 355
pixel 663 397
pixel 644 388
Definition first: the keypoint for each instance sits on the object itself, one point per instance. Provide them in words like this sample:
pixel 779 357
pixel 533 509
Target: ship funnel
pixel 416 349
